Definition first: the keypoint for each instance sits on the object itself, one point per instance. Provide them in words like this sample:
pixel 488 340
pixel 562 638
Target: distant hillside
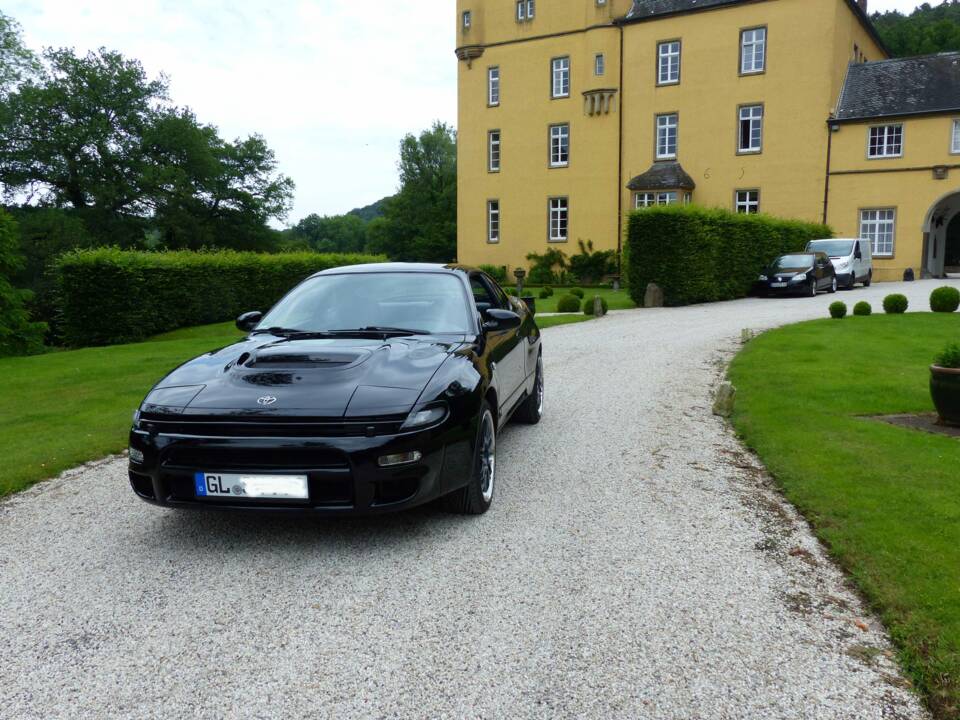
pixel 928 29
pixel 369 212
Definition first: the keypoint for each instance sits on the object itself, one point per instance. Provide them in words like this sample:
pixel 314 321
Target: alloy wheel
pixel 488 456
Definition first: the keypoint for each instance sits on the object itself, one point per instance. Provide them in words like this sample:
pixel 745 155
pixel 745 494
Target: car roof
pixel 394 267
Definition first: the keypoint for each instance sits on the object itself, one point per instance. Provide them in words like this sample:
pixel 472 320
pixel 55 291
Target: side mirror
pixel 496 319
pixel 249 320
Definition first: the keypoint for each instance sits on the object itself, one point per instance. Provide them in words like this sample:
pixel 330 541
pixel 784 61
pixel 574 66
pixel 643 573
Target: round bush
pixel 945 299
pixel 577 291
pixel 895 304
pixel 588 306
pixel 568 304
pixel 838 310
pixel 544 294
pixel 862 308
pixel 548 290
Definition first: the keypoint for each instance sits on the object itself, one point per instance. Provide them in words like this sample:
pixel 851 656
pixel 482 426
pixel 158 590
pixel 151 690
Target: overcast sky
pixel 332 84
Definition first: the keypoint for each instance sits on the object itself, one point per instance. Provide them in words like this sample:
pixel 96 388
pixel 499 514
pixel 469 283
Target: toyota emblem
pixel 266 400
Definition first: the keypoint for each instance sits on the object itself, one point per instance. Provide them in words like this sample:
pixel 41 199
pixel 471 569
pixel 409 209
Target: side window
pixel 481 292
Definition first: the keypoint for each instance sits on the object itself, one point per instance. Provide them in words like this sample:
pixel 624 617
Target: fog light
pixel 136 456
pixel 399 459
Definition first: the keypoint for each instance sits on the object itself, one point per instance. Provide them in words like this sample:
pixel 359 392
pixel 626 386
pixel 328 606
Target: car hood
pixel 787 272
pixel 341 377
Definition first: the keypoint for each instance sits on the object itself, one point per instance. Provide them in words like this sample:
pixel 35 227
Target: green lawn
pixel 885 500
pixel 616 299
pixel 67 408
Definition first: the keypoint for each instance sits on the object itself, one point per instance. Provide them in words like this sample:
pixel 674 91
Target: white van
pixel 852 259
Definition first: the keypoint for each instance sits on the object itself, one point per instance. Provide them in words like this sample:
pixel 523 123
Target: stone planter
pixel 945 391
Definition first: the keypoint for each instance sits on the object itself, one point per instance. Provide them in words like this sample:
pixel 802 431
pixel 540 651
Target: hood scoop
pixel 287 357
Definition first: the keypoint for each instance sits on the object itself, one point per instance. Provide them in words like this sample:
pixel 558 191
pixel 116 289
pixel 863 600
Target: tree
pixel 18 335
pixel 928 29
pixel 336 233
pixel 17 62
pixel 421 219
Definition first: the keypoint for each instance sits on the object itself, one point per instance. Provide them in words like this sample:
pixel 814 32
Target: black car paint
pixel 339 403
pixel 820 271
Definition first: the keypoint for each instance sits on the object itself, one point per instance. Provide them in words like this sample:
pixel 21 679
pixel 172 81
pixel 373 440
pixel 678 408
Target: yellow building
pixel 573 112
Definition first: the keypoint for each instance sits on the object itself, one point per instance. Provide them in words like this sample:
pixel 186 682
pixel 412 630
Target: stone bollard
pixel 598 310
pixel 723 402
pixel 653 297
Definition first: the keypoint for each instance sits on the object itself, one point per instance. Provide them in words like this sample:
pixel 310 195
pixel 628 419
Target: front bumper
pixel 343 475
pixel 791 288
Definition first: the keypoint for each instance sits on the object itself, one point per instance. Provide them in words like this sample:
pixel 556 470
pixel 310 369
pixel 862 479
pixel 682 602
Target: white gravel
pixel 636 564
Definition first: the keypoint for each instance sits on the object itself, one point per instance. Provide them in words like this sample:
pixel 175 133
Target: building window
pixel 599 64
pixel 753 51
pixel 667 136
pixel 559 219
pixel 493 86
pixel 467 19
pixel 560 87
pixel 493 221
pixel 747 202
pixel 750 135
pixel 955 145
pixel 885 141
pixel 668 67
pixel 878 226
pixel 493 151
pixel 651 199
pixel 559 145
pixel 525 10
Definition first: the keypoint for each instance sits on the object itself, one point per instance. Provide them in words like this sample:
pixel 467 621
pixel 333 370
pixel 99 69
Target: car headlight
pixel 763 278
pixel 424 416
pixel 800 277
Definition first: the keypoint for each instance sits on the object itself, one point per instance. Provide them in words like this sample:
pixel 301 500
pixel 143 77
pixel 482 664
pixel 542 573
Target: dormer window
pixel 525 10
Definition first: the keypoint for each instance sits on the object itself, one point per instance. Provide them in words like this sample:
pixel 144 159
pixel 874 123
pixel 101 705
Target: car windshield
pixel 793 261
pixel 425 302
pixel 833 248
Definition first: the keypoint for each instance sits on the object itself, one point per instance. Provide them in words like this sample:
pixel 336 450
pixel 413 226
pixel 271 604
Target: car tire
pixel 813 287
pixel 476 496
pixel 531 410
pixel 866 283
pixel 853 281
pixel 833 285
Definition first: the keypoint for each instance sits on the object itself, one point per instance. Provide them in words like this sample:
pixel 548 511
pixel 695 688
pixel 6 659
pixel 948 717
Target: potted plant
pixel 945 384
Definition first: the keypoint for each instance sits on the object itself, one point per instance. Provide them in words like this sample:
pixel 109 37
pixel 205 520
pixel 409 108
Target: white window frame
pixel 753 51
pixel 493 86
pixel 493 221
pixel 667 129
pixel 889 143
pixel 652 199
pixel 668 62
pixel 955 138
pixel 467 19
pixel 558 219
pixel 560 77
pixel 560 145
pixel 752 116
pixel 879 226
pixel 526 9
pixel 494 151
pixel 747 202
pixel 599 64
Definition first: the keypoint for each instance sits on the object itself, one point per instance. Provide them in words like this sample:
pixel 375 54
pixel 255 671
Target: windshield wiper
pixel 292 332
pixel 381 330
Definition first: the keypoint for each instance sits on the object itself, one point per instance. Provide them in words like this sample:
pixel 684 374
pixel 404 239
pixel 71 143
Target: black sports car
pixel 366 389
pixel 798 274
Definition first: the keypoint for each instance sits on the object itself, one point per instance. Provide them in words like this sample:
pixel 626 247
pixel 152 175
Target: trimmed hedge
pixel 568 304
pixel 838 310
pixel 895 304
pixel 108 296
pixel 862 309
pixel 945 299
pixel 703 255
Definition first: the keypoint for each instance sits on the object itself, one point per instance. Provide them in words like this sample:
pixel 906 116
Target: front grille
pixel 262 426
pixel 210 459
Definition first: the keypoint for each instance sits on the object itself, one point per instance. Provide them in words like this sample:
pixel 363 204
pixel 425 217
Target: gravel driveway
pixel 636 564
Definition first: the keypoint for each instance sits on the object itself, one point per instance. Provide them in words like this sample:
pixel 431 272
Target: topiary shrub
pixel 548 290
pixel 945 299
pixel 568 304
pixel 576 291
pixel 588 306
pixel 838 310
pixel 862 309
pixel 712 254
pixel 108 296
pixel 544 294
pixel 949 357
pixel 895 304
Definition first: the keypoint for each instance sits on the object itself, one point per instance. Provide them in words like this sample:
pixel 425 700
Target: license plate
pixel 778 284
pixel 251 487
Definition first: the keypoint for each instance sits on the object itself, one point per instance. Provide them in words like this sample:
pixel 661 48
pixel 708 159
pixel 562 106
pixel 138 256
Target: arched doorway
pixel 941 237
